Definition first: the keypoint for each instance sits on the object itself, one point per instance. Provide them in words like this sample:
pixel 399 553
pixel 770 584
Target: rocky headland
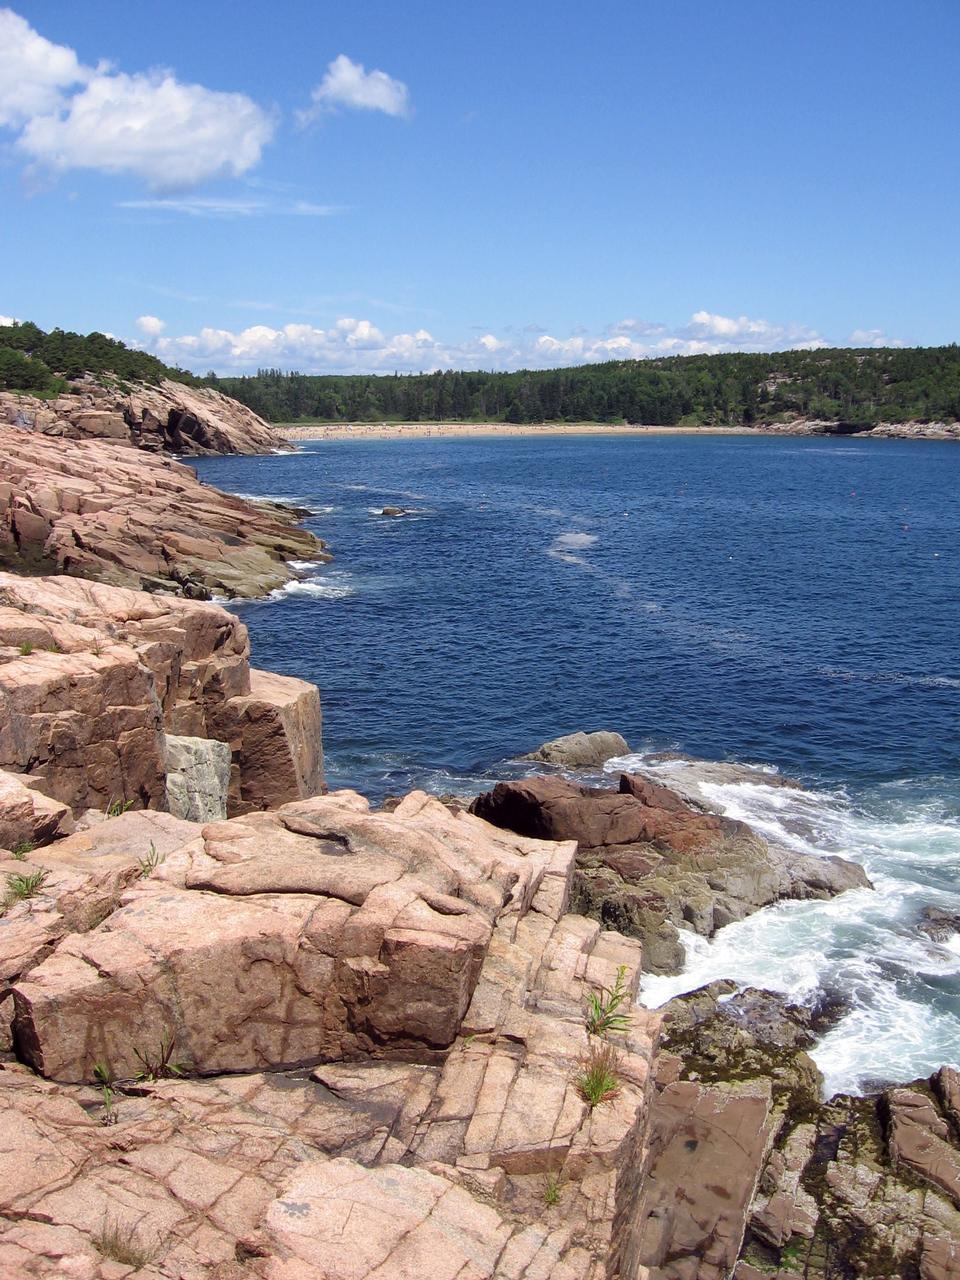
pixel 87 488
pixel 252 1031
pixel 163 416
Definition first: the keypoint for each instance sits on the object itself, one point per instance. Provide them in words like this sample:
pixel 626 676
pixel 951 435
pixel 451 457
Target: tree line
pixel 42 363
pixel 860 387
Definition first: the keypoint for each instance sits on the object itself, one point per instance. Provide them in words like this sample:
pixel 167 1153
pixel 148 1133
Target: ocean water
pixel 787 602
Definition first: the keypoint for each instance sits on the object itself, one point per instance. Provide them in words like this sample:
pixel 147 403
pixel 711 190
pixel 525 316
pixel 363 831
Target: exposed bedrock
pixel 163 416
pixel 95 509
pixel 93 678
pixel 649 864
pixel 433 951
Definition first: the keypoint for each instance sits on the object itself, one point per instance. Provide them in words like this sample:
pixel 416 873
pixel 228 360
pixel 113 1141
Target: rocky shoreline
pixel 252 1031
pixel 86 490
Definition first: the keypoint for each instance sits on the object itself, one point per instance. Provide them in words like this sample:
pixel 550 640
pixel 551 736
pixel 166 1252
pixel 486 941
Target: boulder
pixel 650 864
pixel 27 817
pixel 198 777
pixel 99 509
pixel 581 750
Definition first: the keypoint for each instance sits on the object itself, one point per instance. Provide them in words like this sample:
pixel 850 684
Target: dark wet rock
pixel 395 511
pixel 938 924
pixel 650 865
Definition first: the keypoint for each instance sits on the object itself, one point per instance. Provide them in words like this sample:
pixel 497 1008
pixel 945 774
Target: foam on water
pixel 902 989
pixel 331 585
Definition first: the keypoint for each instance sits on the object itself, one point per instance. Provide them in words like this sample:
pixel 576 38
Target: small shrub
pixel 599 1080
pixel 120 1243
pixel 603 1013
pixel 116 807
pixel 21 849
pixel 26 649
pixel 552 1189
pixel 159 1065
pixel 150 861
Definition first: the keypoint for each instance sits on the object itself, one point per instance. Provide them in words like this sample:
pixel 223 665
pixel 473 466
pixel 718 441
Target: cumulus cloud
pixel 358 345
pixel 349 84
pixel 69 116
pixel 6 321
pixel 150 325
pixel 34 73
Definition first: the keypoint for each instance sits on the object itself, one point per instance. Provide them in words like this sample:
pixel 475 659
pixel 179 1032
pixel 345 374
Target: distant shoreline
pixel 439 430
pixel 419 430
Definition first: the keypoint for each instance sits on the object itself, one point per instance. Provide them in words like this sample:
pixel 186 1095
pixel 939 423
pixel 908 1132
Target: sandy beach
pixel 419 430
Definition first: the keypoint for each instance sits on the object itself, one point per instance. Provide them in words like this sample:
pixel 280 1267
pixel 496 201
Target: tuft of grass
pixel 21 849
pixel 120 1243
pixel 20 887
pixel 598 1080
pixel 26 649
pixel 116 807
pixel 552 1189
pixel 159 1065
pixel 104 1077
pixel 150 861
pixel 603 1008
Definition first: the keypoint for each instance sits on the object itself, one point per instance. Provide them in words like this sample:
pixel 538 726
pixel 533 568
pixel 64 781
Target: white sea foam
pixel 902 987
pixel 892 677
pixel 573 541
pixel 324 584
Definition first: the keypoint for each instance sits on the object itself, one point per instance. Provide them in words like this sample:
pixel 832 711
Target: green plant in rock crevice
pixel 150 861
pixel 159 1066
pixel 598 1080
pixel 552 1189
pixel 604 1008
pixel 21 849
pixel 20 887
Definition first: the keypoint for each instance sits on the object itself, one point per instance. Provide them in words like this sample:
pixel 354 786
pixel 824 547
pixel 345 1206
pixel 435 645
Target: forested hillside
pixel 38 362
pixel 856 386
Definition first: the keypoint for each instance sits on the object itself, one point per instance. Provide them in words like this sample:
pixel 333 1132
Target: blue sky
pixel 376 186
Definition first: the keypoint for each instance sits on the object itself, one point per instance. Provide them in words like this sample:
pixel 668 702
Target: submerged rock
pixel 649 864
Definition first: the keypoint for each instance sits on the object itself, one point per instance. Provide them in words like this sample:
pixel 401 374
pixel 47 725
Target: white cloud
pixel 171 134
pixel 349 84
pixel 873 338
pixel 33 71
pixel 70 116
pixel 6 321
pixel 357 345
pixel 231 206
pixel 150 325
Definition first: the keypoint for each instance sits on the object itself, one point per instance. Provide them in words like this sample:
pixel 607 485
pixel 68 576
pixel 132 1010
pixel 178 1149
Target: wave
pixel 902 988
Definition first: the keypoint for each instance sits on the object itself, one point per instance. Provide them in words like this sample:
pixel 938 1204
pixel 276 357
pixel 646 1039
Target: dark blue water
pixel 794 601
pixel 788 602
